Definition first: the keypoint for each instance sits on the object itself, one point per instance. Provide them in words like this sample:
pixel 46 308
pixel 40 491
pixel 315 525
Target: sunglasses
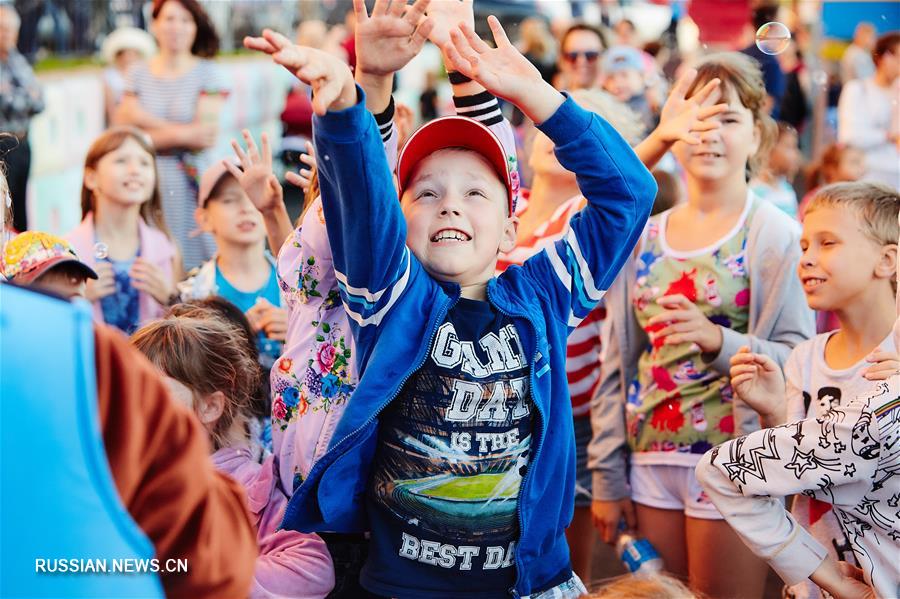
pixel 590 55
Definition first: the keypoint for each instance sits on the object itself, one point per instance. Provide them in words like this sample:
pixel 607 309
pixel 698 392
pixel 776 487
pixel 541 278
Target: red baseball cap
pixel 455 132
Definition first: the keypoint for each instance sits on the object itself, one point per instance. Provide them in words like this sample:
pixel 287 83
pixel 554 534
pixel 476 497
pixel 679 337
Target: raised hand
pixel 757 380
pixel 681 119
pixel 503 70
pixel 303 178
pixel 388 39
pixel 255 175
pixel 447 15
pixel 329 77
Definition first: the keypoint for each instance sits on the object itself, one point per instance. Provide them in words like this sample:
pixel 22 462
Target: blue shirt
pixel 245 300
pixel 120 309
pixel 452 451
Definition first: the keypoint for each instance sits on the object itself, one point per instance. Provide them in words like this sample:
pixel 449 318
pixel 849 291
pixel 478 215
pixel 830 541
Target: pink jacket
pixel 156 248
pixel 290 564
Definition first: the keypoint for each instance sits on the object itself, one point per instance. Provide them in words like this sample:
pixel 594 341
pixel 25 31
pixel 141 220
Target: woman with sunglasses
pixel 579 62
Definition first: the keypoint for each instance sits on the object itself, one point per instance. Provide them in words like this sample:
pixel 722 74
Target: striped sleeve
pixel 390 141
pixel 482 107
pixel 365 307
pixel 385 122
pixel 574 272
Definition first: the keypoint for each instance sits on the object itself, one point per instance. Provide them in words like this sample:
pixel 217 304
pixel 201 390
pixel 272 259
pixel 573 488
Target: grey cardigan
pixel 779 320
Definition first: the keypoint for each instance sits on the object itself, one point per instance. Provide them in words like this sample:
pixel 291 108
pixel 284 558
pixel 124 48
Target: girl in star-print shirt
pixel 709 276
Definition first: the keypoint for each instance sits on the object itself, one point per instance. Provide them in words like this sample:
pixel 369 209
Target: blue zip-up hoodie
pixel 395 308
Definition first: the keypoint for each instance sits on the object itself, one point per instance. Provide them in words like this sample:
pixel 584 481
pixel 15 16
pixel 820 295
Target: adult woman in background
pixel 867 113
pixel 176 97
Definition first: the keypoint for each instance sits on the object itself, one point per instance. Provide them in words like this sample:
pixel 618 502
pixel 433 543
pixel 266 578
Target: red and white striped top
pixel 583 347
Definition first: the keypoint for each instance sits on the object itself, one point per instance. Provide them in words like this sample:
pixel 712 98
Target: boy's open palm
pixel 503 70
pixel 255 175
pixel 329 77
pixel 391 36
pixel 757 380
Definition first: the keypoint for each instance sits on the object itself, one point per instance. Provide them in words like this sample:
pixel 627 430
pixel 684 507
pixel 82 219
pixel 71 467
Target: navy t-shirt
pixel 452 450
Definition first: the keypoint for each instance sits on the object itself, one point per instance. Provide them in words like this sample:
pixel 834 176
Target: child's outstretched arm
pixel 681 119
pixel 502 70
pixel 470 98
pixel 746 478
pixel 331 79
pixel 382 50
pixel 256 178
pixel 366 228
pixel 620 191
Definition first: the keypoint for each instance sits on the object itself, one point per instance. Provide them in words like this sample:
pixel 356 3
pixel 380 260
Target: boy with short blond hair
pixel 456 450
pixel 849 267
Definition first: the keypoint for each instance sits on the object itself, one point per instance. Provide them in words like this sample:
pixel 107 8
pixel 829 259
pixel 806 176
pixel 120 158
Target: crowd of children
pixel 437 383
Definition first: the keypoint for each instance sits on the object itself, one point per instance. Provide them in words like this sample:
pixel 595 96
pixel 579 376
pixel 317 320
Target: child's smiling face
pixel 126 175
pixel 839 261
pixel 457 217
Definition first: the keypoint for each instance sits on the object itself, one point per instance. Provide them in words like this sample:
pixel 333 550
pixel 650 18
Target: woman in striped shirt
pixel 176 97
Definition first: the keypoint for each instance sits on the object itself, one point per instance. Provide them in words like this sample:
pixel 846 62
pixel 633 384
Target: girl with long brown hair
pixel 710 275
pixel 210 369
pixel 123 234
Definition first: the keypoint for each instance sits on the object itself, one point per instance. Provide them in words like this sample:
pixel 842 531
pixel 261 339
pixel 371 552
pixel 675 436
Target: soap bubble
pixel 101 251
pixel 820 78
pixel 773 38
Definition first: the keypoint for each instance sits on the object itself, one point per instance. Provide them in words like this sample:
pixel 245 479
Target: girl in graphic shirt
pixel 711 275
pixel 545 212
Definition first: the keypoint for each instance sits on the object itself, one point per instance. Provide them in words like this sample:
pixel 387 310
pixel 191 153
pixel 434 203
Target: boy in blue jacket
pixel 457 450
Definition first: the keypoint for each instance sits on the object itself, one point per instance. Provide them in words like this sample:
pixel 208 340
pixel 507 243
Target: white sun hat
pixel 127 38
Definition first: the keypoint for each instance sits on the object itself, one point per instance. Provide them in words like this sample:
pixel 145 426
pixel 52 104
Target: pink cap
pixel 208 181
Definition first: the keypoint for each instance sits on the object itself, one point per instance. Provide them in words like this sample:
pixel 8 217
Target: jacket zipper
pixel 443 313
pixel 527 478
